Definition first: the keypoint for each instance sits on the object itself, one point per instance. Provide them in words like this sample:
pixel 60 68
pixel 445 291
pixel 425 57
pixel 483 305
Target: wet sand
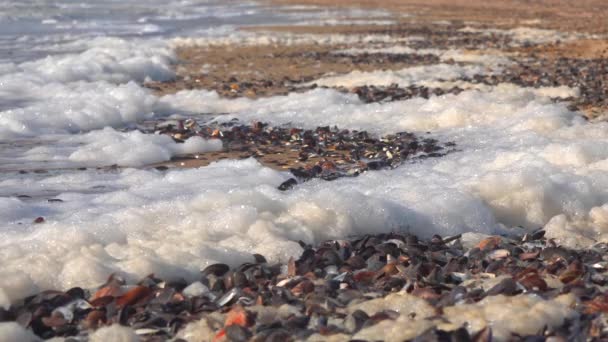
pixel 584 16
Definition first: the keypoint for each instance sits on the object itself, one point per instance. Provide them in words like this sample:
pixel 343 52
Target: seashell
pixel 190 123
pixel 290 281
pixel 356 262
pixel 133 296
pixel 340 277
pixel 489 243
pixel 79 304
pixel 112 288
pixel 355 321
pixel 375 262
pixel 507 286
pixel 452 238
pixel 288 184
pixel 396 242
pixel 164 296
pixel 101 301
pixel 94 319
pixel 329 255
pixel 147 331
pixel 598 304
pixel 529 255
pixel 536 235
pixel 245 301
pixel 239 279
pixel 487 275
pixel 386 271
pixel 55 320
pixel 260 259
pixel 364 276
pixel 499 254
pixel 291 267
pixel 237 333
pixel 238 316
pixel 228 297
pixel 533 281
pixel 425 293
pixel 76 293
pixel 66 312
pixel 574 271
pixel 303 287
pixel 216 269
pixel 459 276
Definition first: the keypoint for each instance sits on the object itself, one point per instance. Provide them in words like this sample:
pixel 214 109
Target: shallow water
pixel 72 81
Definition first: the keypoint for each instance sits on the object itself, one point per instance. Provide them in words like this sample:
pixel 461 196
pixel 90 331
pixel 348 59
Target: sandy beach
pixel 582 16
pixel 307 170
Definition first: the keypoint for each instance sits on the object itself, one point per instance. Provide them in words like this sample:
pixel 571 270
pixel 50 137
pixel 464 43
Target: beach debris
pixel 338 287
pixel 326 152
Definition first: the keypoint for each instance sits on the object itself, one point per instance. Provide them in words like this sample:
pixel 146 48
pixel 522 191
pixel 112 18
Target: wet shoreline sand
pixel 583 16
pixel 366 286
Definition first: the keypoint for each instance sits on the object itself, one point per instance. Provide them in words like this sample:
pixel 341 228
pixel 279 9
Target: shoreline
pixel 391 285
pixel 585 16
pixel 363 286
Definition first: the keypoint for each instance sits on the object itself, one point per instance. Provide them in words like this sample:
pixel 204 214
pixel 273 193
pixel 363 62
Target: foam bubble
pixel 507 174
pixel 85 91
pixel 444 55
pixel 114 332
pixel 528 35
pixel 11 331
pixel 523 314
pixel 404 77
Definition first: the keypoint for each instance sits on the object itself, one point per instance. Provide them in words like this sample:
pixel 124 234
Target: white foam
pixel 496 59
pixel 115 333
pixel 109 147
pixel 72 108
pixel 118 222
pixel 79 92
pixel 444 55
pixel 413 317
pixel 507 127
pixel 12 332
pixel 404 77
pixel 106 147
pixel 523 314
pixel 108 59
pixel 528 35
pixel 522 160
